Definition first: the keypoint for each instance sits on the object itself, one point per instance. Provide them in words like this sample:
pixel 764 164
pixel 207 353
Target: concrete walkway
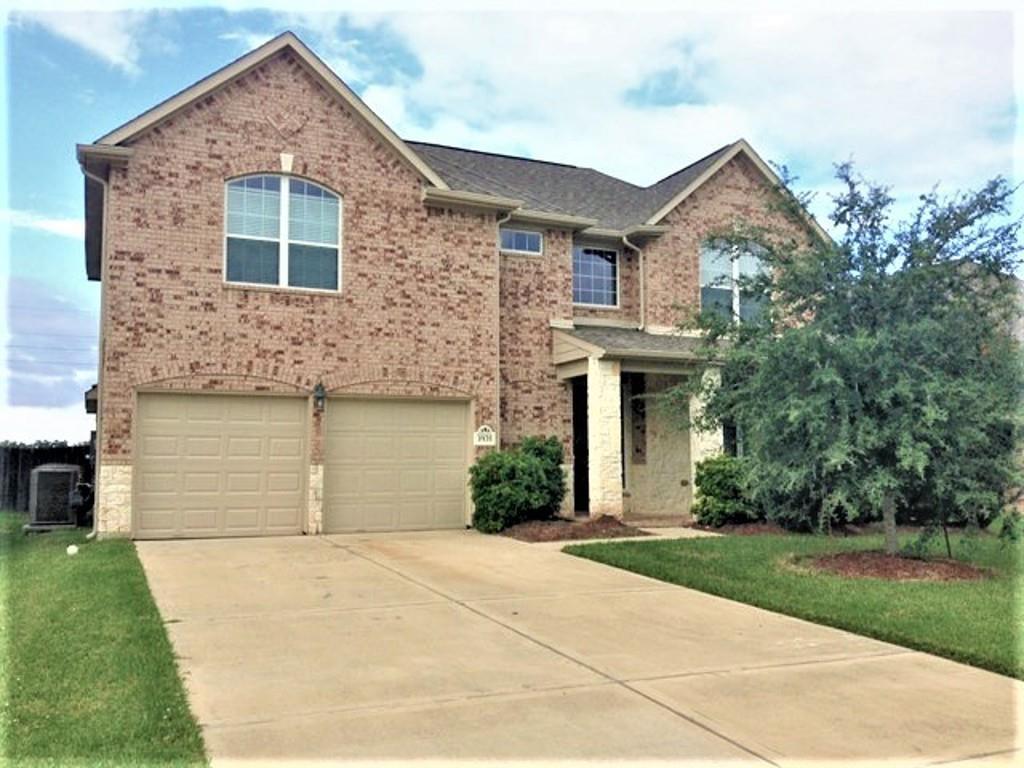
pixel 460 647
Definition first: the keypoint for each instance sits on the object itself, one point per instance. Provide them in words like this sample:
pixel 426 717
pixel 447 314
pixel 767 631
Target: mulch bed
pixel 878 565
pixel 745 529
pixel 557 529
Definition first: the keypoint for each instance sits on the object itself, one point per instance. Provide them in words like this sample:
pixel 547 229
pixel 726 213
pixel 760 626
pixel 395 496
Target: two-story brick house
pixel 308 324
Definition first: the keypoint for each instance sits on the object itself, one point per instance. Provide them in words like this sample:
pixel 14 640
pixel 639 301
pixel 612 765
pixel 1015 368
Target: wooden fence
pixel 18 461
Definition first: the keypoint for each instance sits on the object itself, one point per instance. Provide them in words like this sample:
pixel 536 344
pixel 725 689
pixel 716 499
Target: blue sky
pixel 915 98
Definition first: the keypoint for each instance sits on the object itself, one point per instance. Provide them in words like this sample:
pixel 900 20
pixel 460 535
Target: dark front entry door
pixel 580 453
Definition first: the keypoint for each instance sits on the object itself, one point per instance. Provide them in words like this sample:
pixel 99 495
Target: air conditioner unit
pixel 50 497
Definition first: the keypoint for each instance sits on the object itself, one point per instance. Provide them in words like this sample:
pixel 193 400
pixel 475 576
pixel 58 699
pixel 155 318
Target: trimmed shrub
pixel 523 483
pixel 549 451
pixel 721 496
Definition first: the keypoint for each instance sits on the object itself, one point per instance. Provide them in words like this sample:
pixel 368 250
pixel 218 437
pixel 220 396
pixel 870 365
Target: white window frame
pixel 282 238
pixel 618 275
pixel 525 232
pixel 734 263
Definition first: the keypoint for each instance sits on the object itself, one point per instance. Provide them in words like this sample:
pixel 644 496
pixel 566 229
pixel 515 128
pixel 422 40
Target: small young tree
pixel 881 371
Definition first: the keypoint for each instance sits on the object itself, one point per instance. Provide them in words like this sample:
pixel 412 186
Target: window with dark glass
pixel 722 268
pixel 282 231
pixel 595 276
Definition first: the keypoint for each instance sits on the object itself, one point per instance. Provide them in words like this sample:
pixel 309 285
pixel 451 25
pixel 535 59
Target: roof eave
pixel 453 198
pixel 553 220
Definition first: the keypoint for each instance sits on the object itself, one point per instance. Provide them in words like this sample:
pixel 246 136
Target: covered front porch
pixel 634 454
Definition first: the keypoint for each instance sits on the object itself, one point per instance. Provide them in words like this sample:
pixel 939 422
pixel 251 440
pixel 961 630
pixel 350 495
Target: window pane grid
pixel 312 214
pixel 256 222
pixel 720 273
pixel 521 240
pixel 595 276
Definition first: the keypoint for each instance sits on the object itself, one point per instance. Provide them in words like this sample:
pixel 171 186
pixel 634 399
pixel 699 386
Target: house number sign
pixel 485 436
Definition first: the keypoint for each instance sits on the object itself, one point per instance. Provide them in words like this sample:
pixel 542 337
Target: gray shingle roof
pixel 631 342
pixel 558 188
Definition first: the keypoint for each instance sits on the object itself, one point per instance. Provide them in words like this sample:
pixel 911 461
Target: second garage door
pixel 394 465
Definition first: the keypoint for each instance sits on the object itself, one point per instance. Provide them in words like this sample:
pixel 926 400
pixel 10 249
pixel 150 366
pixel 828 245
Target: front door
pixel 580 448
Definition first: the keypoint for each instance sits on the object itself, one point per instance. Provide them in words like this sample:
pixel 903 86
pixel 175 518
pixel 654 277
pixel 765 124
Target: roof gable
pixel 718 161
pixel 249 61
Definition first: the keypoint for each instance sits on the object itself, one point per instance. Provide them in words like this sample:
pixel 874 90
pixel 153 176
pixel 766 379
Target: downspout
pixel 640 266
pixel 104 184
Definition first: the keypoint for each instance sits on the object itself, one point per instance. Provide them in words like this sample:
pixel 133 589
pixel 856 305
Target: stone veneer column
pixel 315 516
pixel 604 436
pixel 114 500
pixel 702 444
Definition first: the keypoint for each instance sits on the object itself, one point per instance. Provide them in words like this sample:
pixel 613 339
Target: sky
pixel 914 97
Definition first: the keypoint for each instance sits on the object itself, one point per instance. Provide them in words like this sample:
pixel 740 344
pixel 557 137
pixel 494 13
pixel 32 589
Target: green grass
pixel 88 674
pixel 976 622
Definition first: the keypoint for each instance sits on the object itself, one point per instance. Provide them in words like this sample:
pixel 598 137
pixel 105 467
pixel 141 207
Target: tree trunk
pixel 892 544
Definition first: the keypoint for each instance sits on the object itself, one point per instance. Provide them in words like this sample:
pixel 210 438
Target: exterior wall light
pixel 319 396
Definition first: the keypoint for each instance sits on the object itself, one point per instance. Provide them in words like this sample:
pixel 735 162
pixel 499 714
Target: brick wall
pixel 534 290
pixel 417 313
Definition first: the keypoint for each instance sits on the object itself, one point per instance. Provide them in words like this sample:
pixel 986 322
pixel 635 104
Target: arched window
pixel 280 230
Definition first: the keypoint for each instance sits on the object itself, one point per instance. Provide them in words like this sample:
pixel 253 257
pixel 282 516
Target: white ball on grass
pixel 72 549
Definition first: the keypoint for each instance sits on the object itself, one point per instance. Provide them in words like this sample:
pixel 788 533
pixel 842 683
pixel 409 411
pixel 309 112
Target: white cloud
pixel 113 36
pixel 914 98
pixel 65 227
pixel 30 423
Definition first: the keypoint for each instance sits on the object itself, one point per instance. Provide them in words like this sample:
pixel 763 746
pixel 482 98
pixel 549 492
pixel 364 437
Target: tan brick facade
pixel 428 307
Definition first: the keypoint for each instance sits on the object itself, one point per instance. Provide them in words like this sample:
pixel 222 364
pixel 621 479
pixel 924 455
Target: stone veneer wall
pixel 604 436
pixel 662 484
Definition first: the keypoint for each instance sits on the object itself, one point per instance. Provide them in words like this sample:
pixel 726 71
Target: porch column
pixel 604 436
pixel 702 444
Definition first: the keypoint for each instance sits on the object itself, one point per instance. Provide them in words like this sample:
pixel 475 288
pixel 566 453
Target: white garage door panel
pixel 395 465
pixel 219 465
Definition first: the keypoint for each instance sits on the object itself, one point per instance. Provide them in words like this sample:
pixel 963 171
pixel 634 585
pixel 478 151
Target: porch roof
pixel 624 343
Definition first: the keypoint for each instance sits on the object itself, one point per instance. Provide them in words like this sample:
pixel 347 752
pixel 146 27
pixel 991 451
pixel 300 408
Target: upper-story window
pixel 595 276
pixel 522 241
pixel 284 231
pixel 721 267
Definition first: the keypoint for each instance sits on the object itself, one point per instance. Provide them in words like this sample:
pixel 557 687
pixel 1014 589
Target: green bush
pixel 549 451
pixel 721 498
pixel 519 484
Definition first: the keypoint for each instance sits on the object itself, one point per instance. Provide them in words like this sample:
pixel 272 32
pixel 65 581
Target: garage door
pixel 395 465
pixel 219 465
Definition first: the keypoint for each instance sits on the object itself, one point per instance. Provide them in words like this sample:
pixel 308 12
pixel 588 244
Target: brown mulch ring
pixel 557 529
pixel 878 565
pixel 745 529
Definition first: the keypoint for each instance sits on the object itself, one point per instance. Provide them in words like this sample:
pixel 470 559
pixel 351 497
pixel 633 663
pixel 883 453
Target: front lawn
pixel 88 673
pixel 977 622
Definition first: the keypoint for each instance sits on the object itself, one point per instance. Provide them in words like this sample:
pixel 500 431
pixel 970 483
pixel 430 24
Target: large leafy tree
pixel 881 373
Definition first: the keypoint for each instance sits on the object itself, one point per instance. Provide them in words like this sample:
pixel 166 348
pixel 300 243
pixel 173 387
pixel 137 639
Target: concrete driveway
pixel 457 646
